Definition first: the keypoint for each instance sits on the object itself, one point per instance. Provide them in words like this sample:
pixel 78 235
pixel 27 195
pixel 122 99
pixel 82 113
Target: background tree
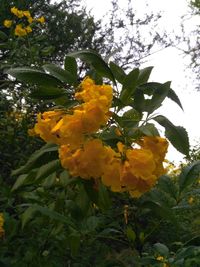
pixel 67 27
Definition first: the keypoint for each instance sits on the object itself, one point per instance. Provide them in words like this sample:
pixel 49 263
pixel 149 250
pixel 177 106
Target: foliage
pixel 96 193
pixel 53 219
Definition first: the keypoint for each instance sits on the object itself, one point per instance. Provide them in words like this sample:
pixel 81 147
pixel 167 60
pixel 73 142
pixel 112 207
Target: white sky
pixel 169 64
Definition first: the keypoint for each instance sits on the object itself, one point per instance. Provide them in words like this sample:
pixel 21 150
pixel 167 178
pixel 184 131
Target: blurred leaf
pixel 117 72
pixel 3 36
pixel 33 76
pixel 95 61
pixel 71 66
pixel 59 73
pixel 38 157
pixel 166 184
pixel 50 180
pixel 161 249
pixel 149 129
pixel 27 215
pixel 189 175
pixel 24 179
pixel 129 85
pixel 47 169
pixel 19 182
pixel 139 102
pixel 74 243
pixel 130 234
pixel 104 201
pixel 129 119
pixel 158 96
pixel 30 213
pixel 47 50
pixel 46 93
pixel 177 135
pixel 144 75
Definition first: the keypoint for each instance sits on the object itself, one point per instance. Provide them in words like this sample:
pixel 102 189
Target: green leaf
pixel 130 118
pixel 95 61
pixel 173 96
pixel 24 179
pixel 167 185
pixel 104 201
pixel 161 249
pixel 47 50
pixel 33 76
pixel 71 66
pixel 30 213
pixel 27 215
pixel 139 102
pixel 177 135
pixel 62 75
pixel 19 182
pixel 130 234
pixel 158 96
pixel 129 85
pixel 3 36
pixel 74 243
pixel 38 158
pixel 47 169
pixel 117 72
pixel 149 129
pixel 47 93
pixel 189 175
pixel 50 180
pixel 150 88
pixel 144 75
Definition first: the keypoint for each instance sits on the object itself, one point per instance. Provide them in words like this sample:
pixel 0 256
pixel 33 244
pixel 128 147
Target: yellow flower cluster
pixel 20 29
pixel 2 231
pixel 73 127
pixel 139 169
pixel 134 170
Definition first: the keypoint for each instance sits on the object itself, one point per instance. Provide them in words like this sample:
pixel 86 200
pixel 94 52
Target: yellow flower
pixel 27 13
pixel 87 162
pixel 17 12
pixel 89 91
pixel 161 258
pixel 41 20
pixel 112 175
pixel 2 231
pixel 45 124
pixel 7 23
pixel 28 29
pixel 141 162
pixel 158 146
pixel 20 31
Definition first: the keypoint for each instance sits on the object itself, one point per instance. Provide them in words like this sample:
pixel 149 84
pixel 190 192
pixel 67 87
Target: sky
pixel 169 64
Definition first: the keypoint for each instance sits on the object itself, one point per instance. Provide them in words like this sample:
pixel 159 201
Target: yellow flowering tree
pixel 103 158
pixel 100 128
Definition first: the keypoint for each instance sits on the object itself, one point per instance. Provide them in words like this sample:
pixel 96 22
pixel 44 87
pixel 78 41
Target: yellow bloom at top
pixel 89 91
pixel 41 20
pixel 7 23
pixel 17 12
